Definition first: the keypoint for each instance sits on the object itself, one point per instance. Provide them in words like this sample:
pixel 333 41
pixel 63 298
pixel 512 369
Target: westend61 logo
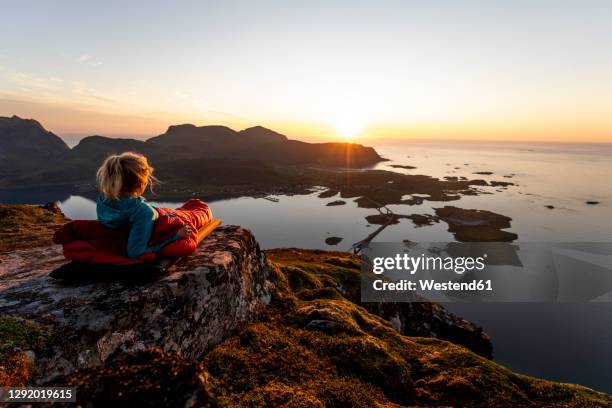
pixel 487 272
pixel 413 264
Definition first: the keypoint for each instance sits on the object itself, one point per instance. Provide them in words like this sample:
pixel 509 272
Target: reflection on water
pixel 565 342
pixel 301 221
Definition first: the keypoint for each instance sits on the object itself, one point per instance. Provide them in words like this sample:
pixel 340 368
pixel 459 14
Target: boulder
pixel 200 302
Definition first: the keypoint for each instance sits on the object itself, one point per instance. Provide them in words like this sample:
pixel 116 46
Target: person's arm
pixel 141 228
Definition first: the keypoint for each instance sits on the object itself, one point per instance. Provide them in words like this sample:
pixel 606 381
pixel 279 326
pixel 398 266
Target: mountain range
pixel 31 156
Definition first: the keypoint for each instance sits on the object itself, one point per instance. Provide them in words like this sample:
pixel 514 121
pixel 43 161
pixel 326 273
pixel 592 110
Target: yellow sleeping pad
pixel 208 229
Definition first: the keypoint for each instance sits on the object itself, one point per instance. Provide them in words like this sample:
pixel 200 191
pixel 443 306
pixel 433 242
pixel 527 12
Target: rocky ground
pixel 289 331
pixel 203 299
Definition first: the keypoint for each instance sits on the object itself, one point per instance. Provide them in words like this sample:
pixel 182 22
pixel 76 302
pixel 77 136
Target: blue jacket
pixel 132 213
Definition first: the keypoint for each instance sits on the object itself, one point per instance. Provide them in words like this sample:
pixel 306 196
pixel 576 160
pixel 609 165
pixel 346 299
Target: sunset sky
pixel 517 70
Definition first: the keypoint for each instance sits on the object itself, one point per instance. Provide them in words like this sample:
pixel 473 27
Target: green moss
pixel 300 279
pixel 318 270
pixel 320 293
pixel 317 348
pixel 17 336
pixel 270 365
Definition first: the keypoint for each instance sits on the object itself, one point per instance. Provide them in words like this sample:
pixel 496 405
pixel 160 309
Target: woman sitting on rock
pixel 122 180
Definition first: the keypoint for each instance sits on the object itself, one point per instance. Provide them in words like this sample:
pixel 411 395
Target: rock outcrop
pixel 203 299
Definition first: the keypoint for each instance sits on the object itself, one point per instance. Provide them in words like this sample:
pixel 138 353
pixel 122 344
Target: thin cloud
pixel 34 82
pixel 84 58
pixel 83 93
pixel 88 59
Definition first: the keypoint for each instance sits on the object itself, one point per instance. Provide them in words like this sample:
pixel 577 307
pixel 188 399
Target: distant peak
pixel 188 127
pixel 14 119
pixel 258 127
pixel 180 133
pixel 262 133
pixel 17 121
pixel 29 131
pixel 93 137
pixel 183 126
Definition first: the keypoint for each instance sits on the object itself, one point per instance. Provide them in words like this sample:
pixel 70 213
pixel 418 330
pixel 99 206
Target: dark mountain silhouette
pixel 185 155
pixel 263 134
pixel 25 144
pixel 184 134
pixel 261 144
pixel 96 144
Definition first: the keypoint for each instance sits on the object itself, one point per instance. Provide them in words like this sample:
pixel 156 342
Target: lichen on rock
pixel 204 297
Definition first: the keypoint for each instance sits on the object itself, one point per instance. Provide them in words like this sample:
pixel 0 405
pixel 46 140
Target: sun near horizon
pixel 325 71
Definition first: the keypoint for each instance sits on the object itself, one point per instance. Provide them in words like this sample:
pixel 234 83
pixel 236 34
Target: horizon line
pixel 76 137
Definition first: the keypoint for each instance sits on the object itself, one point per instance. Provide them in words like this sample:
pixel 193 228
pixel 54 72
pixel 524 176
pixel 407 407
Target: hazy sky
pixel 539 70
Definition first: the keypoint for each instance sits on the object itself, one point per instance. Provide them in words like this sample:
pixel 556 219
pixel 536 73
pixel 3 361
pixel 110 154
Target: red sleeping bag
pixel 92 242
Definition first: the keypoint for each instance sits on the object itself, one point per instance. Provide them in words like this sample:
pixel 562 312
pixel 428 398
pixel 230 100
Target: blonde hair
pixel 127 173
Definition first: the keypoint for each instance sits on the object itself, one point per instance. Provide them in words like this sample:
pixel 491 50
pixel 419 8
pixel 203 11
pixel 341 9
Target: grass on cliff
pixel 16 337
pixel 26 226
pixel 315 348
